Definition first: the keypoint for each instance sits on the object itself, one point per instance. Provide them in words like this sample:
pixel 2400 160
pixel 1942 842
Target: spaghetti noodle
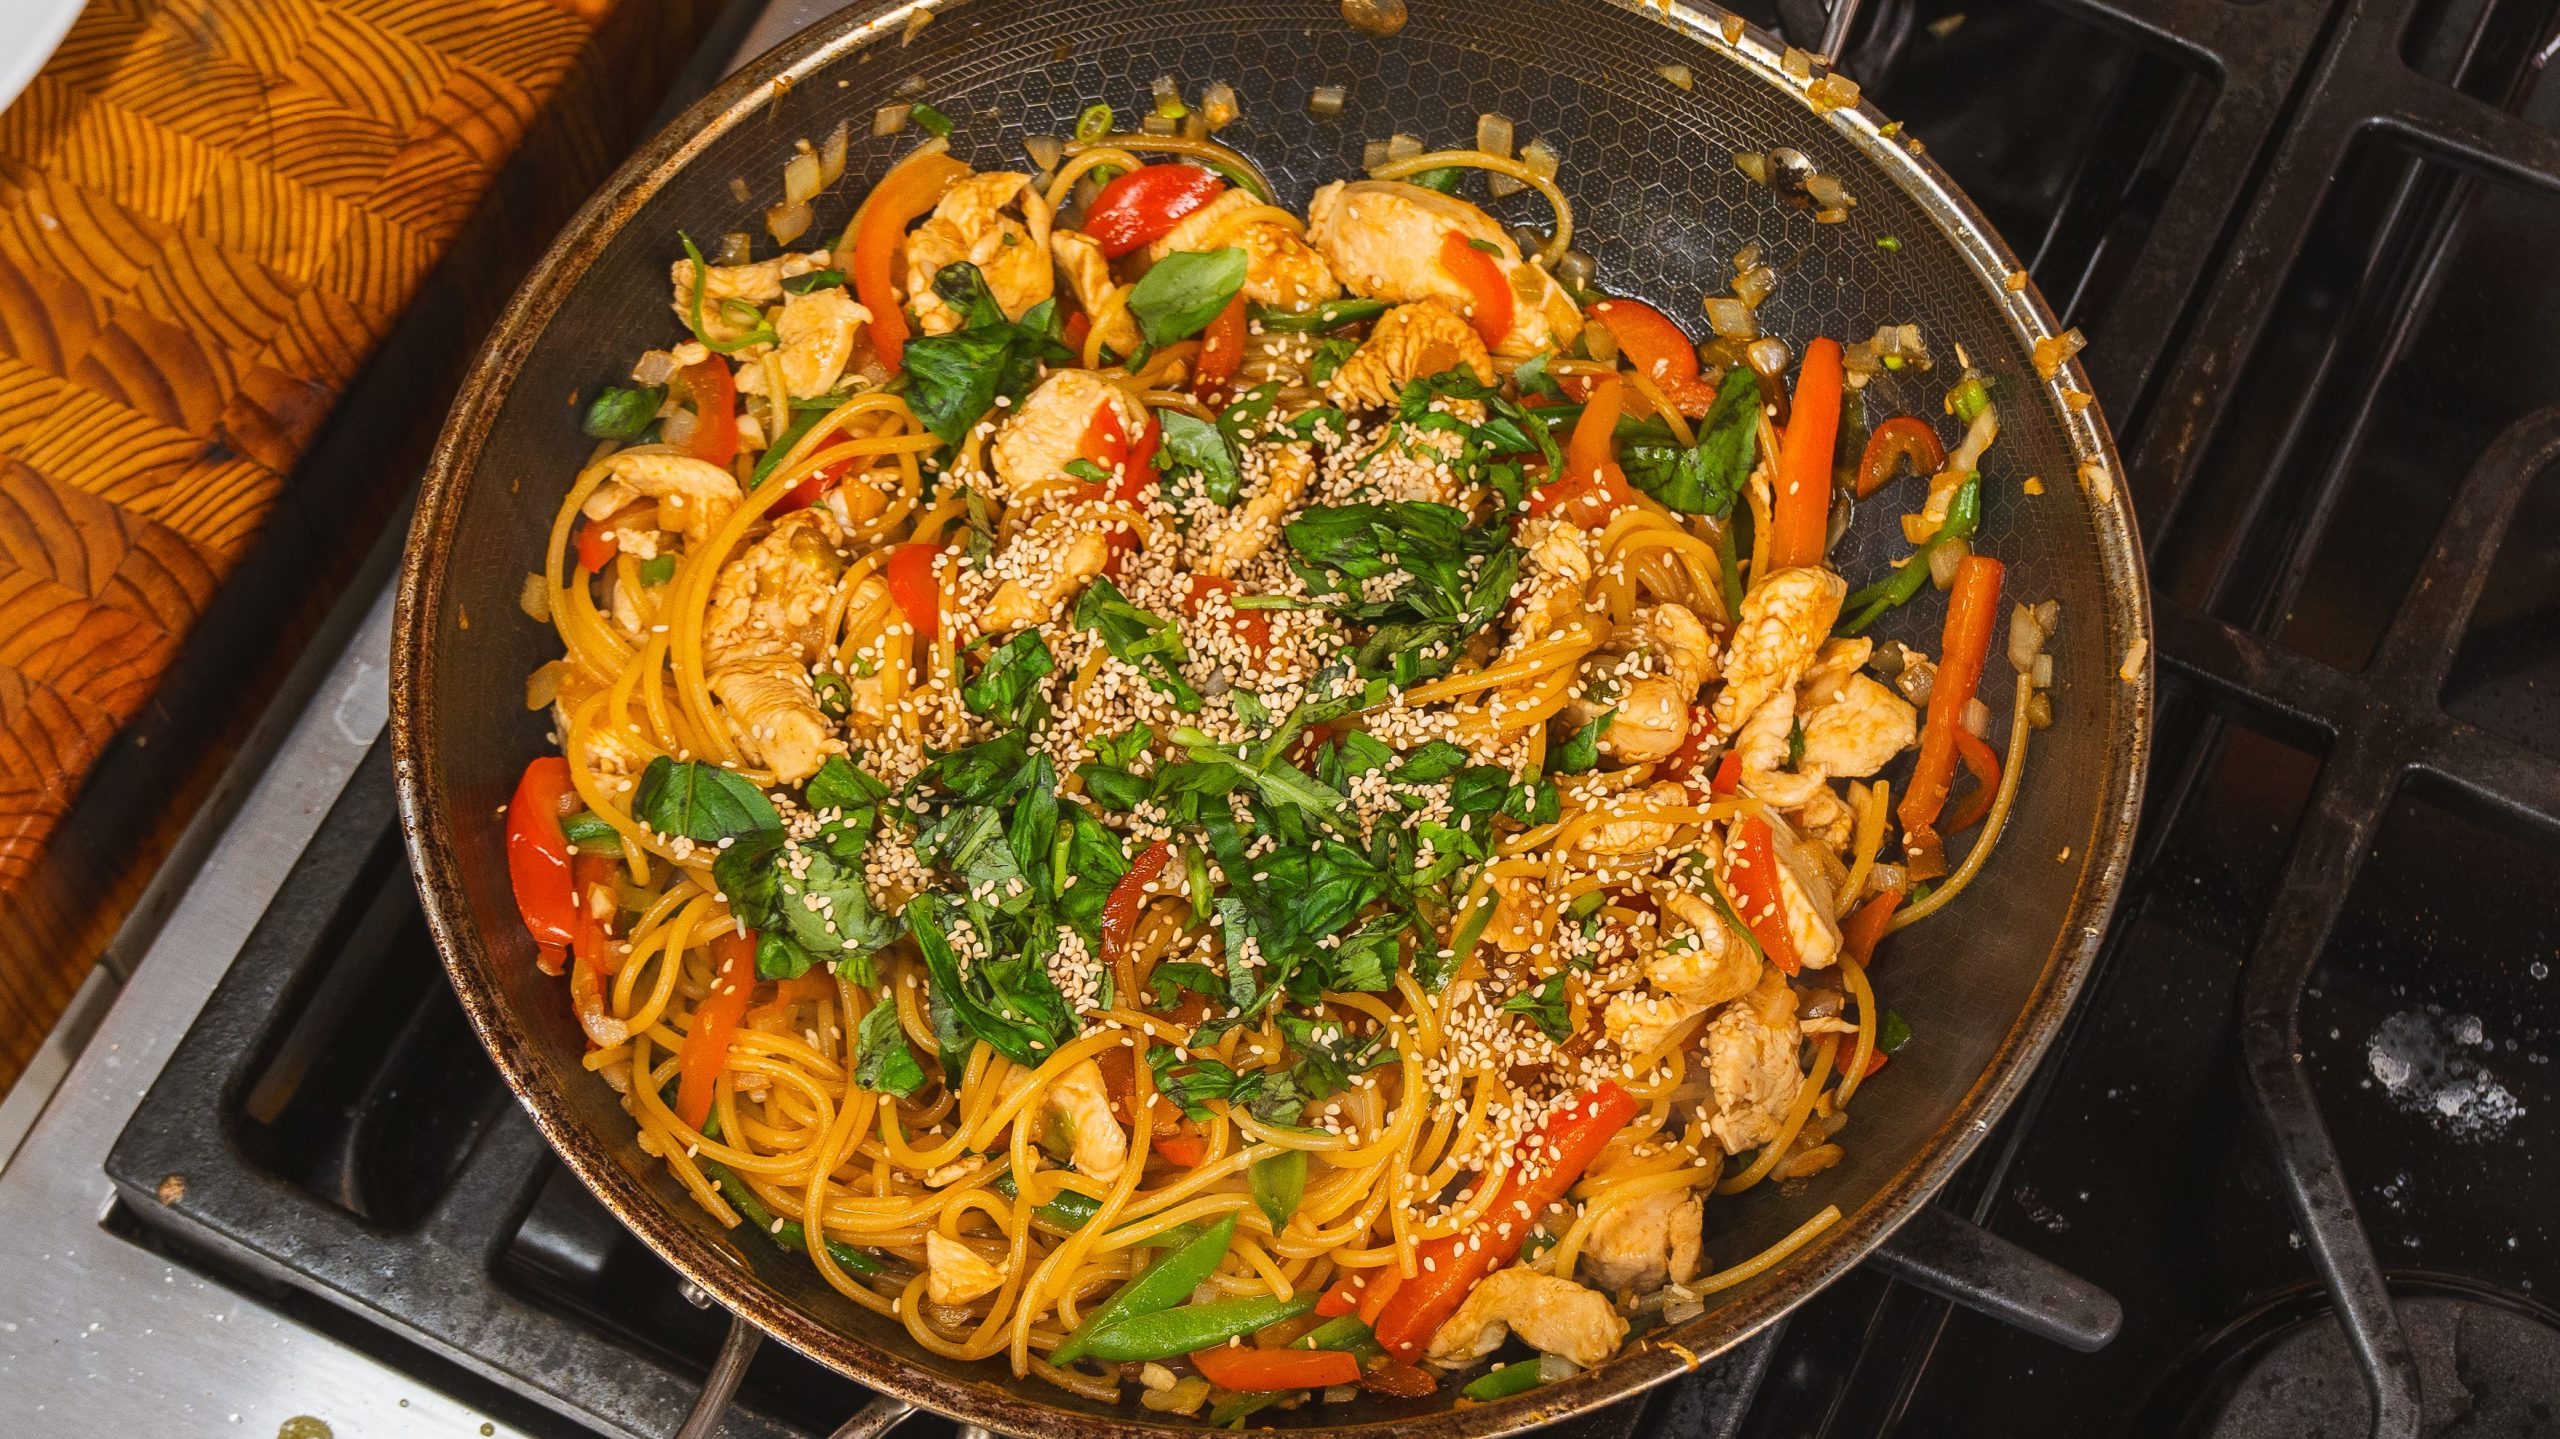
pixel 1109 853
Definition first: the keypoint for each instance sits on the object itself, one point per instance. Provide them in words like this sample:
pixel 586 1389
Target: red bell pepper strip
pixel 1984 764
pixel 1380 1293
pixel 1221 349
pixel 1799 527
pixel 1865 928
pixel 715 1020
pixel 714 392
pixel 912 583
pixel 1751 872
pixel 596 547
pixel 1249 1370
pixel 1145 203
pixel 1344 1297
pixel 1692 752
pixel 1488 288
pixel 1183 1145
pixel 1592 487
pixel 1659 350
pixel 1728 775
pixel 1904 437
pixel 538 851
pixel 1077 327
pixel 912 187
pixel 1120 909
pixel 592 889
pixel 1562 1148
pixel 1252 628
pixel 1973 608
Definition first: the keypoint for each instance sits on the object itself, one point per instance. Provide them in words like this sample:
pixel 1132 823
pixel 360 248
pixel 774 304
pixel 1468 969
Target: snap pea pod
pixel 1331 315
pixel 786 1235
pixel 1163 1284
pixel 1343 1331
pixel 1168 1332
pixel 1504 1382
pixel 1070 1210
pixel 1232 1411
pixel 1964 515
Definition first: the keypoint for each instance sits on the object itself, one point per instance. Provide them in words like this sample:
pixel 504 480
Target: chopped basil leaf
pixel 813 281
pixel 702 802
pixel 1579 753
pixel 1199 445
pixel 622 412
pixel 931 119
pixel 1185 291
pixel 881 1060
pixel 1135 636
pixel 1544 1006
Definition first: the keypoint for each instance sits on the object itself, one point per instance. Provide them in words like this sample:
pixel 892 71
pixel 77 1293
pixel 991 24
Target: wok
pixel 1662 208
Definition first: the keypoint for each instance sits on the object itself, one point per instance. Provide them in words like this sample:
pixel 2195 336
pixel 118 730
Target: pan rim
pixel 433 851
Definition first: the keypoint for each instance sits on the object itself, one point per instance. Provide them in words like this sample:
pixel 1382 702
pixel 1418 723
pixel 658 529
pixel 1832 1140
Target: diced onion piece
pixel 2026 639
pixel 1194 126
pixel 1574 270
pixel 654 368
pixel 1942 564
pixel 2055 351
pixel 1747 257
pixel 831 152
pixel 1753 285
pixel 1185 1397
pixel 543 685
pixel 1681 1311
pixel 1832 92
pixel 1753 165
pixel 677 428
pixel 2040 705
pixel 1218 105
pixel 1168 98
pixel 890 119
pixel 1326 101
pixel 1977 717
pixel 1827 191
pixel 1401 146
pixel 1376 17
pixel 1493 134
pixel 1769 358
pixel 800 178
pixel 1552 1367
pixel 1678 75
pixel 1602 344
pixel 911 88
pixel 1155 124
pixel 1732 318
pixel 1342 1393
pixel 1373 156
pixel 1830 217
pixel 738 190
pixel 1796 62
pixel 535 600
pixel 789 221
pixel 2041 672
pixel 1543 161
pixel 1045 151
pixel 914 27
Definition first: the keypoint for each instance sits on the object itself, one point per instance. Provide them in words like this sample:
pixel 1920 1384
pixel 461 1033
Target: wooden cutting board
pixel 210 213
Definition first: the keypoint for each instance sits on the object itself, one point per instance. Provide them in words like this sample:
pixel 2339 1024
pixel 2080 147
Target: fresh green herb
pixel 785 1234
pixel 1278 1183
pixel 834 694
pixel 591 834
pixel 1892 1032
pixel 1007 1001
pixel 735 312
pixel 1515 1378
pixel 622 412
pixel 657 570
pixel 1703 479
pixel 1445 180
pixel 1201 446
pixel 805 415
pixel 1729 551
pixel 702 802
pixel 1331 315
pixel 1094 123
pixel 1533 378
pixel 812 282
pixel 1889 244
pixel 1232 1411
pixel 931 119
pixel 1330 355
pixel 1543 1004
pixel 1487 246
pixel 1006 688
pixel 1161 1285
pixel 1454 580
pixel 1087 471
pixel 1964 515
pixel 881 1060
pixel 1135 636
pixel 1329 1055
pixel 1070 1210
pixel 1184 291
pixel 1795 743
pixel 954 379
pixel 1580 753
pixel 806 896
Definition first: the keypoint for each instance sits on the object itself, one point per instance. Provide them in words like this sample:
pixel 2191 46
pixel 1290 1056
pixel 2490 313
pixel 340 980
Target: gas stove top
pixel 2292 1126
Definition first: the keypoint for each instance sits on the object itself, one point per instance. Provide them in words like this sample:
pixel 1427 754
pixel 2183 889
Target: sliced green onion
pixel 1504 1382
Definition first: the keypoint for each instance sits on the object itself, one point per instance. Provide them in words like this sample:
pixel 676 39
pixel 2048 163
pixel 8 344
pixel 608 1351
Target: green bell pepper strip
pixel 1331 315
pixel 1504 1382
pixel 1964 516
pixel 787 1234
pixel 1167 1332
pixel 1162 1285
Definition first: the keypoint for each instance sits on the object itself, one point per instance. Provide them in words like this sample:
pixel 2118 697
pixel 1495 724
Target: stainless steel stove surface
pixel 2299 1125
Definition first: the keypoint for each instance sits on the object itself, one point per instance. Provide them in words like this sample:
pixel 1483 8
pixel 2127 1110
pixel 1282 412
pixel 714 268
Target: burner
pixel 2485 1367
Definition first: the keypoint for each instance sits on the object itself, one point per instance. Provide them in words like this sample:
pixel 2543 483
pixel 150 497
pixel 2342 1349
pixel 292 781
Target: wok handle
pixel 1963 1262
pixel 874 1419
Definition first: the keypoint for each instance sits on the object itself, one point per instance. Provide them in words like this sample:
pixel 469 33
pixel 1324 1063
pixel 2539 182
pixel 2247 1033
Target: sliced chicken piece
pixel 1554 578
pixel 971 224
pixel 1518 903
pixel 1046 567
pixel 1282 271
pixel 1825 817
pixel 954 1273
pixel 1285 472
pixel 1638 833
pixel 1645 1243
pixel 1643 1023
pixel 1764 745
pixel 1078 1100
pixel 1409 342
pixel 1648 674
pixel 1047 429
pixel 1383 239
pixel 768 619
pixel 1806 900
pixel 1707 963
pixel 816 334
pixel 757 284
pixel 1858 731
pixel 1784 621
pixel 1088 276
pixel 694 496
pixel 1751 1064
pixel 1551 1315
